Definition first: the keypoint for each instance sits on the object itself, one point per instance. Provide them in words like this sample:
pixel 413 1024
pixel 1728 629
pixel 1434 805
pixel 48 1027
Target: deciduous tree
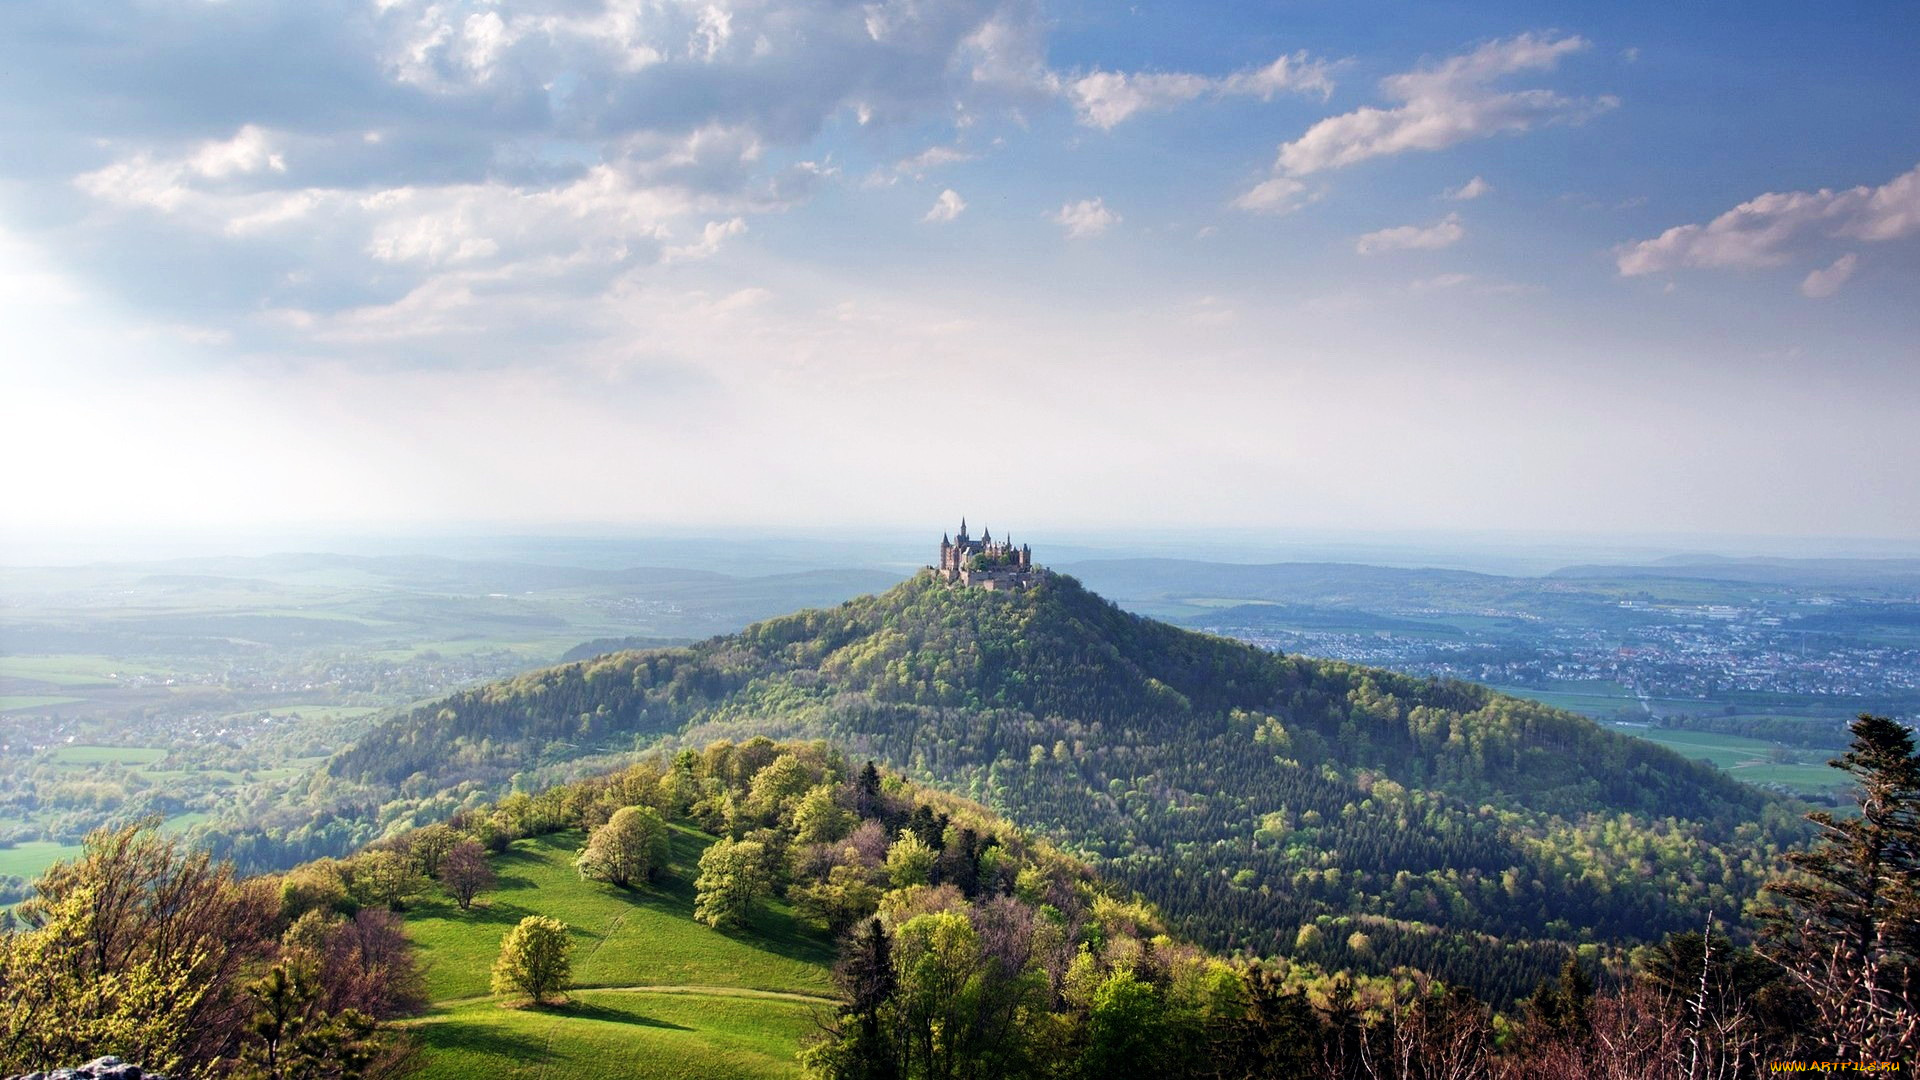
pixel 535 959
pixel 732 876
pixel 628 849
pixel 465 872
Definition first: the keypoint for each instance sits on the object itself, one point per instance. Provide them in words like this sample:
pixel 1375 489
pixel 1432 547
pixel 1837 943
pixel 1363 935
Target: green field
pixel 1597 698
pixel 72 669
pixel 28 859
pixel 1743 758
pixel 107 755
pixel 657 994
pixel 306 712
pixel 616 1033
pixel 10 702
pixel 1746 759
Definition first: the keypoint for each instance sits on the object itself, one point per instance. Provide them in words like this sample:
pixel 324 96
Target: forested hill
pixel 1280 805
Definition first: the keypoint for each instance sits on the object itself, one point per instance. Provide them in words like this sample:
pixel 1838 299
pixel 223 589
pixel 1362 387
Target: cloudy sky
pixel 1641 267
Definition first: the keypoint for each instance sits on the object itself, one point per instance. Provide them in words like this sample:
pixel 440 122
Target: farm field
pixel 130 756
pixel 28 859
pixel 656 993
pixel 1744 758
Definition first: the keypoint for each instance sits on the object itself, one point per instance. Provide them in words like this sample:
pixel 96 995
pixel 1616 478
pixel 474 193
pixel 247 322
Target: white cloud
pixel 1103 99
pixel 1088 217
pixel 249 151
pixel 917 166
pixel 1444 104
pixel 1776 228
pixel 947 207
pixel 710 240
pixel 1472 189
pixel 1820 284
pixel 1280 195
pixel 1443 233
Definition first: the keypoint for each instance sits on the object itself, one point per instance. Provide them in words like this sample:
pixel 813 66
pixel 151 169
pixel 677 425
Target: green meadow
pixel 1748 759
pixel 30 858
pixel 10 702
pixel 656 994
pixel 107 755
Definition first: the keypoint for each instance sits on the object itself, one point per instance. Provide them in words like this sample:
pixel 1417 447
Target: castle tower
pixel 983 562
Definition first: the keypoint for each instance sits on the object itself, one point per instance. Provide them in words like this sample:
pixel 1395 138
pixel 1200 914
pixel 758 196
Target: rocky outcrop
pixel 100 1068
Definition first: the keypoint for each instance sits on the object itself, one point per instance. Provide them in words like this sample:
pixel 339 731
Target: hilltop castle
pixel 986 562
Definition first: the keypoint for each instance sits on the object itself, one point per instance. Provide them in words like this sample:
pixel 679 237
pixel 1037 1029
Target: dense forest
pixel 1269 805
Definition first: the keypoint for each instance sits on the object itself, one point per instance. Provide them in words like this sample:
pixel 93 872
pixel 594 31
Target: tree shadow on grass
pixel 484 1038
pixel 492 913
pixel 590 1010
pixel 783 935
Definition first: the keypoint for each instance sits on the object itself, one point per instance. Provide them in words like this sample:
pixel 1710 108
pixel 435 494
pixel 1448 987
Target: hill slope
pixel 1273 804
pixel 656 994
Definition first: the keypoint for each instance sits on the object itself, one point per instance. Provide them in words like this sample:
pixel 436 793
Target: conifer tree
pixel 1847 927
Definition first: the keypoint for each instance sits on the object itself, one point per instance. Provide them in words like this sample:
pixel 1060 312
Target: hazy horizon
pixel 749 550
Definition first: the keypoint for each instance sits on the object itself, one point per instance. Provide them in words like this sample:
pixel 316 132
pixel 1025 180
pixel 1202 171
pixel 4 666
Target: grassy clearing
pixel 107 755
pixel 305 712
pixel 72 669
pixel 12 702
pixel 608 1033
pixel 179 823
pixel 29 859
pixel 656 993
pixel 644 937
pixel 1748 759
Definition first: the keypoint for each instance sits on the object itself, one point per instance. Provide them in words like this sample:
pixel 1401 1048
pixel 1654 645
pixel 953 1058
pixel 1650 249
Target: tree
pixel 778 786
pixel 1126 1028
pixel 56 1009
pixel 535 959
pixel 317 886
pixel 465 872
pixel 733 875
pixel 430 845
pixel 935 959
pixel 910 861
pixel 856 1046
pixel 387 878
pixel 818 819
pixel 628 849
pixel 866 798
pixel 291 1036
pixel 844 898
pixel 1847 927
pixel 367 965
pixel 136 948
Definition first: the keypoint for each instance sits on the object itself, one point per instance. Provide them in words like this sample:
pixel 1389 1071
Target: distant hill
pixel 587 650
pixel 1897 574
pixel 1474 835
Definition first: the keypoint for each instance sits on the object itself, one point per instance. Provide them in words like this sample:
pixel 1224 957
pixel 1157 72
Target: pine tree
pixel 1847 929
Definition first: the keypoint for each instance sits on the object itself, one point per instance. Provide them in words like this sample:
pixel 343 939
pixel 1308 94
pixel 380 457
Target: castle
pixel 986 562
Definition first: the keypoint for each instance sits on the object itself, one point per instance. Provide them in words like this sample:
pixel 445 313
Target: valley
pixel 245 673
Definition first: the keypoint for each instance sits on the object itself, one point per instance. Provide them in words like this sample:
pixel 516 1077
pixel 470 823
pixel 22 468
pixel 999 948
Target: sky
pixel 1613 268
